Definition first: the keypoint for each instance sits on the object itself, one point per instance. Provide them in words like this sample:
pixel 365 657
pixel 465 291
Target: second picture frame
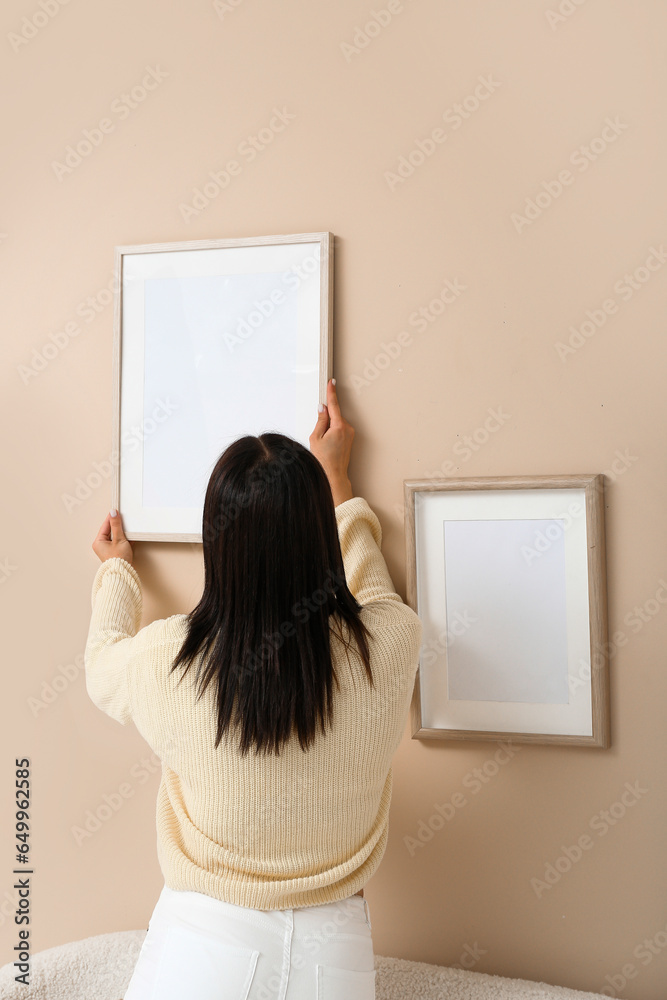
pixel 508 577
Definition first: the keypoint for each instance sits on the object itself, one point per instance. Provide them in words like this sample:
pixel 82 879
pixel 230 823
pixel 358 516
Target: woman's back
pixel 268 830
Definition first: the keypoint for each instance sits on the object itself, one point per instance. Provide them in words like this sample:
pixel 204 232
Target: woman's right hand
pixel 331 444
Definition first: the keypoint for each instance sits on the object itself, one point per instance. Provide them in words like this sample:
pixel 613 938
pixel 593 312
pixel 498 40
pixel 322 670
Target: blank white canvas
pixel 222 388
pixel 442 633
pixel 216 343
pixel 515 649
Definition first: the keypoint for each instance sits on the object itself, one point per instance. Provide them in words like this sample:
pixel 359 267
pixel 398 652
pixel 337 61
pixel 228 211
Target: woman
pixel 275 708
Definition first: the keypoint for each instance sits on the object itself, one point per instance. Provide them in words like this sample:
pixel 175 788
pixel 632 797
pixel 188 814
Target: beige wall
pixel 468 890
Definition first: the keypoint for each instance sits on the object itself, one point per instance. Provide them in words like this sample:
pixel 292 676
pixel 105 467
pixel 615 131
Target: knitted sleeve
pixel 360 538
pixel 116 618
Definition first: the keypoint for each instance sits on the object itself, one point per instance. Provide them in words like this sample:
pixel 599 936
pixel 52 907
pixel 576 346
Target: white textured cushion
pixel 99 968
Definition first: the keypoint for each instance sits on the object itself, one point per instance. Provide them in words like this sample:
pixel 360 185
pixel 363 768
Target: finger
pixel 332 402
pixel 118 534
pixel 322 422
pixel 104 534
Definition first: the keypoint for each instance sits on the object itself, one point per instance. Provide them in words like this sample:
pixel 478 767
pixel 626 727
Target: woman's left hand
pixel 111 540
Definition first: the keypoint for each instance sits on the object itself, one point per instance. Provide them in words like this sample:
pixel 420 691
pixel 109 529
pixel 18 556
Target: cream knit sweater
pixel 268 832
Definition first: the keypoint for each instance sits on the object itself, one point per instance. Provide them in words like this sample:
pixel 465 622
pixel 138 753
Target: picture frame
pixel 213 339
pixel 508 575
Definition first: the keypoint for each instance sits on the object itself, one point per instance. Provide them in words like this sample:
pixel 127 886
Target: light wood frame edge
pixel 593 485
pixel 326 241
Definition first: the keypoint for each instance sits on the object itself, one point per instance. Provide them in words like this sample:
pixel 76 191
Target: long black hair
pixel 274 587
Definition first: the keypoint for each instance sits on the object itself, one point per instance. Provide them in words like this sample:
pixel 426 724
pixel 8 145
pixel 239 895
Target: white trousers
pixel 199 947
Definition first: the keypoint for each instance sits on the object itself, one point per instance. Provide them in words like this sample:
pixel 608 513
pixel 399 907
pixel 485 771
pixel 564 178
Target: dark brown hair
pixel 274 587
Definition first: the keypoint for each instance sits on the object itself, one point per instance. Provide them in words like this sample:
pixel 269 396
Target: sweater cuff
pixel 125 573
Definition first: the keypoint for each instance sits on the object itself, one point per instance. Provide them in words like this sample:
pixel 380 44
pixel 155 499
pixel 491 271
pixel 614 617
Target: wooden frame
pixel 591 530
pixel 286 247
